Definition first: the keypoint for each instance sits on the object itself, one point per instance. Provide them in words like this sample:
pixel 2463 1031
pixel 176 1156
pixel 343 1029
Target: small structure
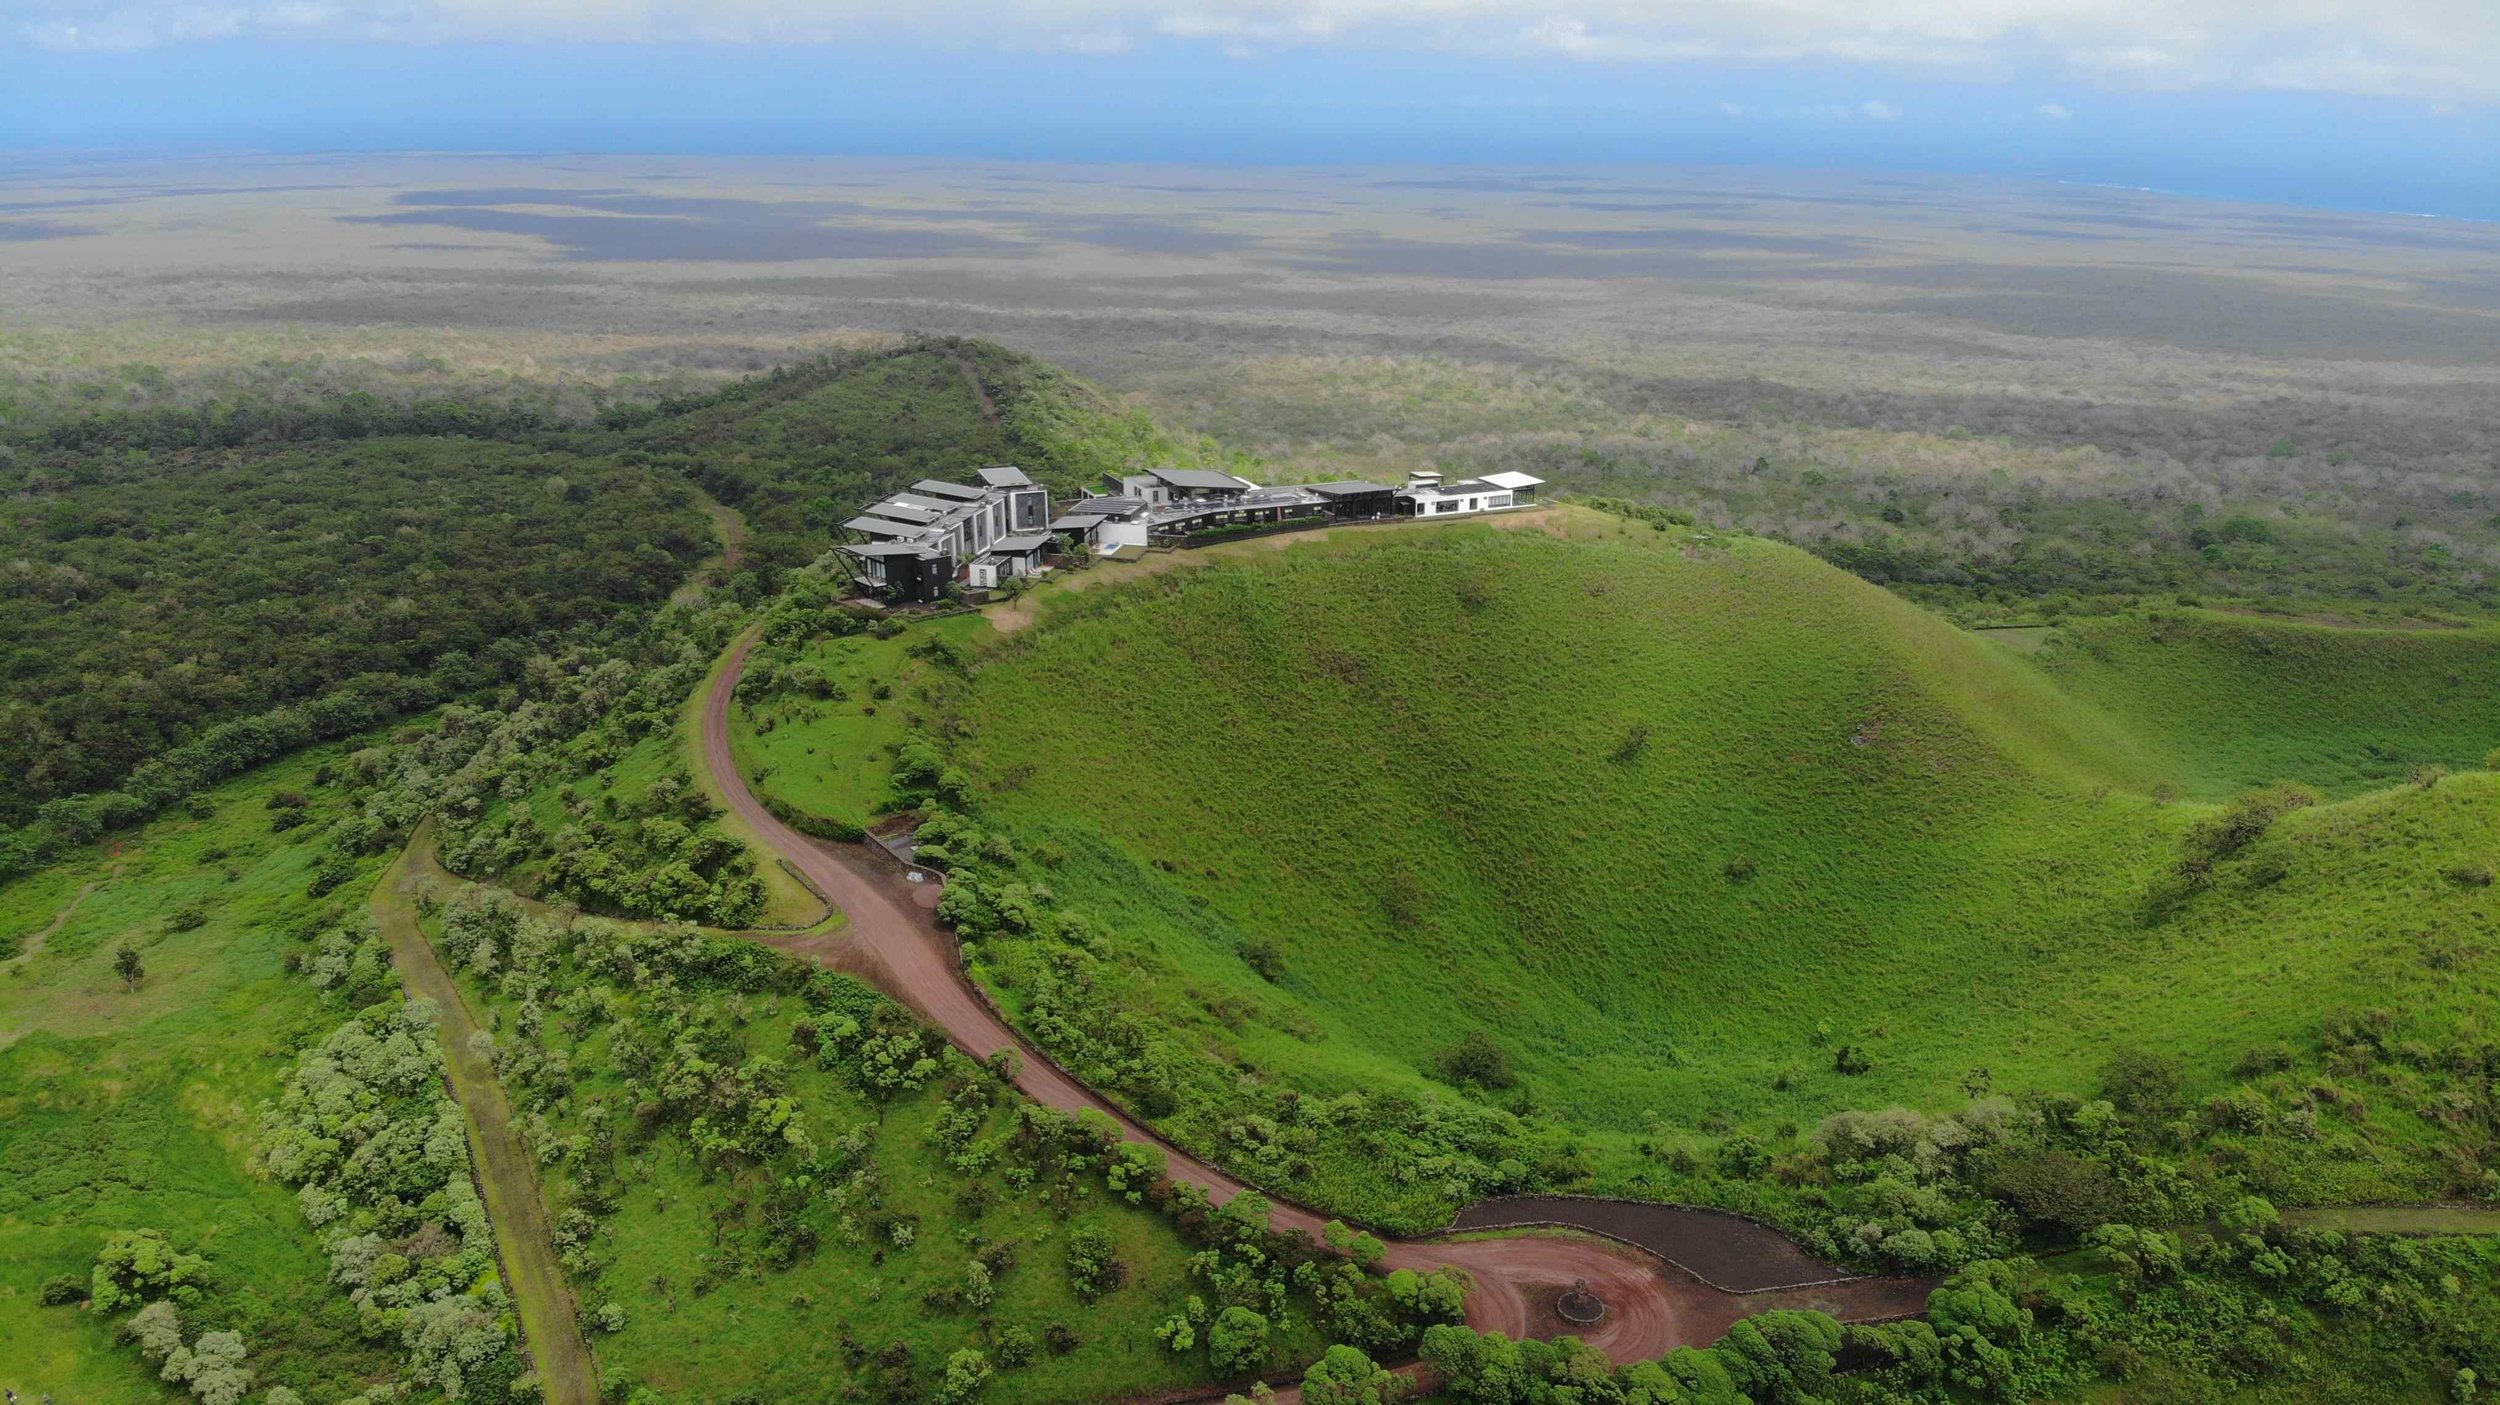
pixel 1425 495
pixel 1103 523
pixel 1578 1306
pixel 1158 487
pixel 1353 500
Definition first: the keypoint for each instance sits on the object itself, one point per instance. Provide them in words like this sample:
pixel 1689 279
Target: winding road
pixel 894 942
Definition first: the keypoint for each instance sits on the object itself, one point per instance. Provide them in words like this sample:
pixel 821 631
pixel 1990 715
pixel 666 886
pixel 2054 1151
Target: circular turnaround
pixel 1578 1306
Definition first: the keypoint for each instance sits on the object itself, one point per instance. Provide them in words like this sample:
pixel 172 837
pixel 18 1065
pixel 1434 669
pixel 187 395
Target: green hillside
pixel 802 450
pixel 2232 701
pixel 1698 833
pixel 139 1108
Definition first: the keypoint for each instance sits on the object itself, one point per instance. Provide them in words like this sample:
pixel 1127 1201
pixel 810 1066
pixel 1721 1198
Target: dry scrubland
pixel 2013 398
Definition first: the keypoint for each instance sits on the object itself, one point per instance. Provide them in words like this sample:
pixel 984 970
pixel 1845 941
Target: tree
pixel 126 965
pixel 1781 1358
pixel 1237 1342
pixel 1438 1296
pixel 1486 1369
pixel 1345 1376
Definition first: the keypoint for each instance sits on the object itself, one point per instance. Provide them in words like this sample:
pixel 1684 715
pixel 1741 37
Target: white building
pixel 1425 495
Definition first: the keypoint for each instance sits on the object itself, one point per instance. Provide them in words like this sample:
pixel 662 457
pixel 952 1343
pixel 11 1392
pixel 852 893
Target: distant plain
pixel 1977 370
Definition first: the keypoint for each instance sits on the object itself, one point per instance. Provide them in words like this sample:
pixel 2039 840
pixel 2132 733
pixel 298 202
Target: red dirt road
pixel 893 942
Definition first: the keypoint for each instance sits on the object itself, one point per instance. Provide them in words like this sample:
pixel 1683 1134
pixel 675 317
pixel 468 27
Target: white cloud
pixel 1878 110
pixel 2434 50
pixel 2054 111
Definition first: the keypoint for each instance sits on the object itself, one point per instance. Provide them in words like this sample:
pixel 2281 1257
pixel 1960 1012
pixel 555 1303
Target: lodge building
pixel 912 546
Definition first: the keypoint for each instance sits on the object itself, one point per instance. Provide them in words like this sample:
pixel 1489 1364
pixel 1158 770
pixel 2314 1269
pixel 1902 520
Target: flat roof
pixel 935 507
pixel 1006 476
pixel 1077 522
pixel 958 491
pixel 1347 488
pixel 1200 478
pixel 1472 486
pixel 1022 542
pixel 896 507
pixel 887 549
pixel 885 524
pixel 1104 506
pixel 1512 481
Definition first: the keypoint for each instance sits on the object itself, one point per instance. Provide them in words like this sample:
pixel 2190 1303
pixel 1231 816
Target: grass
pixel 1672 818
pixel 707 1319
pixel 831 756
pixel 789 904
pixel 2233 701
pixel 124 1109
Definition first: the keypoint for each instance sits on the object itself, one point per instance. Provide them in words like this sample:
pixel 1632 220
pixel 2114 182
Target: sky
pixel 2361 104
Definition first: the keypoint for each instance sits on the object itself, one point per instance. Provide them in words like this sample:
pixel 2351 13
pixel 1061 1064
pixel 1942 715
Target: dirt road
pixel 895 943
pixel 507 1178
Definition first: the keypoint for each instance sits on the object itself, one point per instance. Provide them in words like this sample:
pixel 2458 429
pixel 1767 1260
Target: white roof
pixel 1512 481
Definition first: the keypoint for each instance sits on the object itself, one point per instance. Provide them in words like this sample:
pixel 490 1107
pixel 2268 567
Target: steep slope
pixel 2232 701
pixel 1696 833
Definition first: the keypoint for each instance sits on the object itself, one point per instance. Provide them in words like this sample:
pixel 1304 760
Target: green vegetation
pixel 2233 701
pixel 134 1106
pixel 1992 506
pixel 195 589
pixel 824 704
pixel 583 795
pixel 773 1182
pixel 1782 847
pixel 801 450
pixel 149 599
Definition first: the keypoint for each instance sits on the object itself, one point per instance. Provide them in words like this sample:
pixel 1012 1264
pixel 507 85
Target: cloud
pixel 1878 110
pixel 2432 50
pixel 2054 111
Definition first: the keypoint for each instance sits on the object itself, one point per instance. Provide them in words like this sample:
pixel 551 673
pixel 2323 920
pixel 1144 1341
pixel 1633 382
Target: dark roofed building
pixel 1354 498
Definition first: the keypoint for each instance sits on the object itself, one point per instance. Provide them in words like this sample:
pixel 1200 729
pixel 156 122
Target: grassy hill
pixel 2232 701
pixel 1698 833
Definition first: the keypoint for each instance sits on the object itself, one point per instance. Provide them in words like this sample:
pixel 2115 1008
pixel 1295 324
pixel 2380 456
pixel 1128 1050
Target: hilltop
pixel 2231 701
pixel 1671 830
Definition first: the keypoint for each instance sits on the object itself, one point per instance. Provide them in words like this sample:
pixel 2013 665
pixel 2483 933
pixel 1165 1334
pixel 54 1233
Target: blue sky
pixel 2394 105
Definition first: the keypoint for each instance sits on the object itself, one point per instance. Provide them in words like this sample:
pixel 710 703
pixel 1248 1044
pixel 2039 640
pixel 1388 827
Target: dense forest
pixel 189 590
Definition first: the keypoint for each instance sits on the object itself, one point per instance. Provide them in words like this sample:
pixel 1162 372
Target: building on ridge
pixel 910 546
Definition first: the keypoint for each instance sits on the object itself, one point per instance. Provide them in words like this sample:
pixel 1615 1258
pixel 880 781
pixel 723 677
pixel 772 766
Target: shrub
pixel 137 1265
pixel 2243 822
pixel 1094 1266
pixel 2142 1085
pixel 1476 1060
pixel 64 1290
